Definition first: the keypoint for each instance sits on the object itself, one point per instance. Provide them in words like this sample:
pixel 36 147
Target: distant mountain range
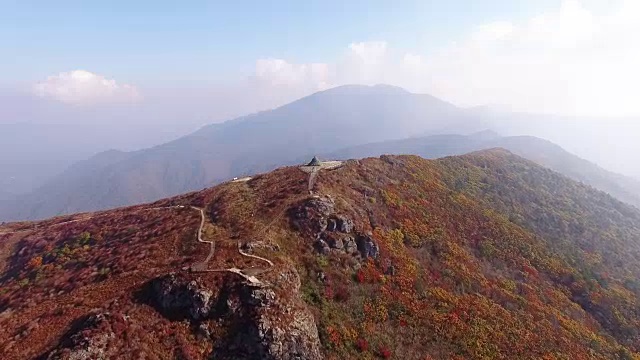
pixel 348 121
pixel 33 153
pixel 541 151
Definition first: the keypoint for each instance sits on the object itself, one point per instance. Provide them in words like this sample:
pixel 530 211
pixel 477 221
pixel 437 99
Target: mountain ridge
pixel 541 151
pixel 352 118
pixel 396 256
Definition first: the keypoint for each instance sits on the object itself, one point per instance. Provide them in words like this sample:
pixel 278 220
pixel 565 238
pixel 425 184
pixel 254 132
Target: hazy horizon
pixel 174 68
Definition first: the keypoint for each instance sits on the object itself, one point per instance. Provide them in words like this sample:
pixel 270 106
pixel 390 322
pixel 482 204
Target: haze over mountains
pixel 32 153
pixel 346 121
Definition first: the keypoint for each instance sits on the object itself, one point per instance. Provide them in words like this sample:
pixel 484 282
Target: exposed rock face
pixel 339 223
pixel 270 326
pixel 86 343
pixel 344 224
pixel 322 247
pixel 367 247
pixel 262 322
pixel 332 225
pixel 322 224
pixel 336 243
pixel 333 232
pixel 175 296
pixel 297 340
pixel 350 246
pixel 254 245
pixel 313 214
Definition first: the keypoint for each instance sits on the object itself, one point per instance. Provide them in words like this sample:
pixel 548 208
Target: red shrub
pixel 328 292
pixel 384 352
pixel 530 271
pixel 341 294
pixel 362 345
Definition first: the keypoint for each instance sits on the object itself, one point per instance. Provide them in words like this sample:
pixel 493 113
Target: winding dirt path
pixel 202 267
pixel 254 256
pixel 248 274
pixel 199 236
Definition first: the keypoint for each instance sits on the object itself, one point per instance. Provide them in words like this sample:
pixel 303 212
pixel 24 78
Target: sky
pixel 189 41
pixel 196 62
pixel 468 52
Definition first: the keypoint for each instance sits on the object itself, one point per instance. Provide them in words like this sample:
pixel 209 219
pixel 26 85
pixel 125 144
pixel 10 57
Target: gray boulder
pixel 367 247
pixel 350 245
pixel 177 297
pixel 90 341
pixel 337 244
pixel 322 247
pixel 344 224
pixel 271 325
pixel 339 223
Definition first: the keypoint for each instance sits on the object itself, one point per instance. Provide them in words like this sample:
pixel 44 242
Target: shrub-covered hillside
pixel 482 256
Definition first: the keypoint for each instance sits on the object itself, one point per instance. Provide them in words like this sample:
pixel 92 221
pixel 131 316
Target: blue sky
pixel 552 56
pixel 150 41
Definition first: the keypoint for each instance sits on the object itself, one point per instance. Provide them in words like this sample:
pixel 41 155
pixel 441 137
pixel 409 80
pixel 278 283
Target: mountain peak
pixel 351 89
pixel 390 88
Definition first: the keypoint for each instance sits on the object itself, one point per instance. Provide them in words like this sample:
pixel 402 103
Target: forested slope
pixel 481 256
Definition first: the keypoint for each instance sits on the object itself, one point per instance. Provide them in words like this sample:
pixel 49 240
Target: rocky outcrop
pixel 332 232
pixel 177 297
pixel 88 340
pixel 250 247
pixel 336 243
pixel 322 247
pixel 270 323
pixel 350 246
pixel 367 247
pixel 312 215
pixel 341 242
pixel 339 223
pixel 296 340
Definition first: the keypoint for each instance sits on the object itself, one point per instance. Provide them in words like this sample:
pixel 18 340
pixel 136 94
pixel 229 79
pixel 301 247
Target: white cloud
pixel 495 31
pixel 362 63
pixel 80 87
pixel 278 72
pixel 570 61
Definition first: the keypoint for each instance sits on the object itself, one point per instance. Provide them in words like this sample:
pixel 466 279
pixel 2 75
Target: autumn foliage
pixel 482 256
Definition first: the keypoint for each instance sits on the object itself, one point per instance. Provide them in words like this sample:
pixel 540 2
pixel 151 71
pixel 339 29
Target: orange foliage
pixel 35 262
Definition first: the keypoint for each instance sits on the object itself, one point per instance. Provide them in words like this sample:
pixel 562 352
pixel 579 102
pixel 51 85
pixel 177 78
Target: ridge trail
pixel 247 274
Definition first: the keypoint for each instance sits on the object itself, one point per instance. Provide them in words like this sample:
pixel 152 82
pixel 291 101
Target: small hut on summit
pixel 314 162
pixel 314 166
